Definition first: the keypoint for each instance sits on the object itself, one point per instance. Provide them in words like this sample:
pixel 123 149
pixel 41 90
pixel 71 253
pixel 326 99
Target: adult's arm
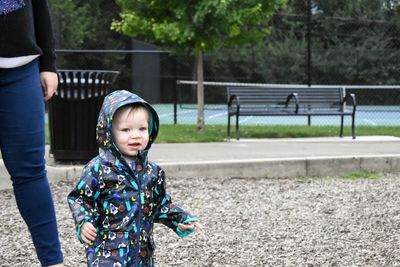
pixel 44 35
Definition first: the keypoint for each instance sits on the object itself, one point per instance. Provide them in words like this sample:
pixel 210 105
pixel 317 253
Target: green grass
pixel 47 134
pixel 350 176
pixel 182 133
pixel 217 133
pixel 362 175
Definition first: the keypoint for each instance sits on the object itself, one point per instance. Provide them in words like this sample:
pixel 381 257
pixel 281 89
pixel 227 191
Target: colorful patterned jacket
pixel 123 200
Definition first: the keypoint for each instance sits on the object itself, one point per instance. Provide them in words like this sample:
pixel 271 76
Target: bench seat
pixel 286 101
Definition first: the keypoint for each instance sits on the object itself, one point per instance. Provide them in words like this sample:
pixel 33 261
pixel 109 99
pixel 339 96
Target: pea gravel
pixel 250 222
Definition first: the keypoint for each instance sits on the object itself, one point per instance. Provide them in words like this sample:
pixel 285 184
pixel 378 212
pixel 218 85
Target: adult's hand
pixel 49 81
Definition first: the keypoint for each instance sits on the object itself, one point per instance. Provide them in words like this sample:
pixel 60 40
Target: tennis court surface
pixel 217 114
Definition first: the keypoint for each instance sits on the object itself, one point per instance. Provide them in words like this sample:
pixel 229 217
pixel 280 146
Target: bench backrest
pixel 268 95
pixel 317 97
pixel 309 97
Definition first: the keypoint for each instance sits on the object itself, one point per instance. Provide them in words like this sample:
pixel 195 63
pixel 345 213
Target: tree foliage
pixel 86 24
pixel 197 27
pixel 352 42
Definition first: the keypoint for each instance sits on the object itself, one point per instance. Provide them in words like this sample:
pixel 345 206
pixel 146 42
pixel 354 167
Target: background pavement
pixel 278 158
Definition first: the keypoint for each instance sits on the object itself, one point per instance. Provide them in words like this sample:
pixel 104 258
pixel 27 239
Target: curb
pixel 252 168
pixel 284 167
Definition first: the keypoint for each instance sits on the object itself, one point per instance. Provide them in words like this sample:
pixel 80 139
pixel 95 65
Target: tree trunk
pixel 200 93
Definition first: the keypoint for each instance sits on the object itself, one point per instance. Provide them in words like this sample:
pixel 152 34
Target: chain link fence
pixel 311 43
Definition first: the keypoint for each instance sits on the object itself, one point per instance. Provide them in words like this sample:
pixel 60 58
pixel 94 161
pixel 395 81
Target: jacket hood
pixel 112 102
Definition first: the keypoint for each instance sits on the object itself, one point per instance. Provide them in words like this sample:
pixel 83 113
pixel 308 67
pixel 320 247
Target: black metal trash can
pixel 73 112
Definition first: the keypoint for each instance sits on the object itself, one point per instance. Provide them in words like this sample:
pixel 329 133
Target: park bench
pixel 295 101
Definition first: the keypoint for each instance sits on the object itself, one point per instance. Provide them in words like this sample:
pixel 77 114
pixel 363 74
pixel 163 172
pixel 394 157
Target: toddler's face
pixel 130 130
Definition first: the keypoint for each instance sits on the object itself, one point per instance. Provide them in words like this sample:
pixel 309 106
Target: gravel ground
pixel 251 222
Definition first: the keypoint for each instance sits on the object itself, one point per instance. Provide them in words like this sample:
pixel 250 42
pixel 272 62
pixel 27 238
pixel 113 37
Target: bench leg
pixel 341 126
pixel 309 120
pixel 228 134
pixel 237 127
pixel 353 130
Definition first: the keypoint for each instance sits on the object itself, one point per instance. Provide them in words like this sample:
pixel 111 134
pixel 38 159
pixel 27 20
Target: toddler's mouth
pixel 134 144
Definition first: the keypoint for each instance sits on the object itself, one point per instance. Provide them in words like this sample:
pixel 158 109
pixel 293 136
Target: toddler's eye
pixel 125 130
pixel 143 129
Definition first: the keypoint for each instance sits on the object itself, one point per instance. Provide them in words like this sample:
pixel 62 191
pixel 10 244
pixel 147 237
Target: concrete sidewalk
pixel 261 158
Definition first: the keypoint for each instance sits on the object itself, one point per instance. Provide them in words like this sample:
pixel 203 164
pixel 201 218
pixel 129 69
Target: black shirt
pixel 28 31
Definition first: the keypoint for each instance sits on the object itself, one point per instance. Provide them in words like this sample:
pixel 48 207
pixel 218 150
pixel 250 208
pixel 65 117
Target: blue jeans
pixel 22 144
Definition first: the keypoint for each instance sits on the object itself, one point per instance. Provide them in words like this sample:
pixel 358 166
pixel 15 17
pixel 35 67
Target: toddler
pixel 121 194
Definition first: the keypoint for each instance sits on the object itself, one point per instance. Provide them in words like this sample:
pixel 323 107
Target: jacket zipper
pixel 139 227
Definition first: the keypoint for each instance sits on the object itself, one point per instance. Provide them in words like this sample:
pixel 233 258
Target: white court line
pixel 178 113
pixel 370 122
pixel 217 115
pixel 248 118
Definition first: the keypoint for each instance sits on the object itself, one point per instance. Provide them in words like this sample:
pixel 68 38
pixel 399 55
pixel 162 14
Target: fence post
pixel 177 87
pixel 309 42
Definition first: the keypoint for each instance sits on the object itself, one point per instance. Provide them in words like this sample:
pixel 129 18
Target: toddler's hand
pixel 190 226
pixel 88 232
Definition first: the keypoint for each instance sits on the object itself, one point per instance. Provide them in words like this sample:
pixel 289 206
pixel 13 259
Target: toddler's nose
pixel 134 134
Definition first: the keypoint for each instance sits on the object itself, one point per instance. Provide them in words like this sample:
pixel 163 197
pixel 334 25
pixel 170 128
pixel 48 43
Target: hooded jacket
pixel 121 199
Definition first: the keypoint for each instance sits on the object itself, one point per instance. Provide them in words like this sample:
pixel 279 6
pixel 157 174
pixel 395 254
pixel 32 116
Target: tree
pixel 197 27
pixel 353 42
pixel 85 24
